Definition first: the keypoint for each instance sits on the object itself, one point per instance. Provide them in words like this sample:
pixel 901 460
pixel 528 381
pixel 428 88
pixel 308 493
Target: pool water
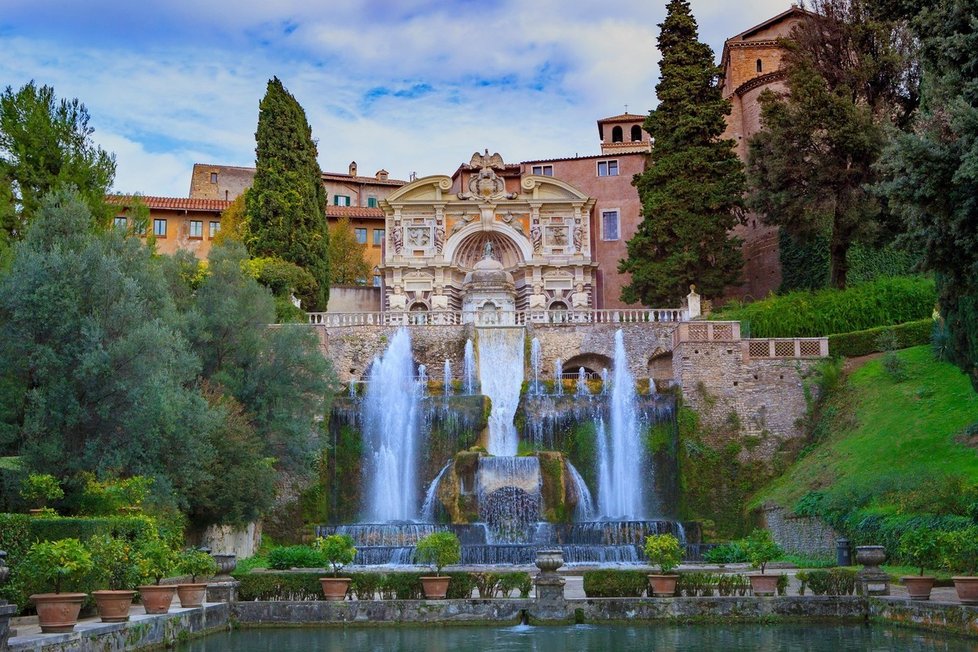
pixel 599 638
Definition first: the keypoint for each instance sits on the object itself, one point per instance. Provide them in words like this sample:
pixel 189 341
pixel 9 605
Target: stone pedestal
pixel 7 611
pixel 871 579
pixel 226 591
pixel 550 603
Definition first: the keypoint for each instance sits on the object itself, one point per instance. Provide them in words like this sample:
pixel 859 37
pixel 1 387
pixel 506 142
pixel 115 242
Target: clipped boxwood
pixel 615 583
pixel 287 557
pixel 299 586
pixel 857 343
pixel 131 528
pixel 293 587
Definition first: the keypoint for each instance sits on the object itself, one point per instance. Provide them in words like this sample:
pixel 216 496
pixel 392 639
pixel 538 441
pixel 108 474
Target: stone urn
pixel 871 579
pixel 4 569
pixel 225 563
pixel 548 561
pixel 870 556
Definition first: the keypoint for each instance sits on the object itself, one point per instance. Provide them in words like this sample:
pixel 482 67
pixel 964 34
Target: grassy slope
pixel 903 432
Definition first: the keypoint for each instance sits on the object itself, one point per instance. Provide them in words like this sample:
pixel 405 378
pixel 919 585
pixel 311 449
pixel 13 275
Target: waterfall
pixel 391 434
pixel 509 495
pixel 501 377
pixel 535 364
pixel 582 388
pixel 620 451
pixel 447 378
pixel 428 506
pixel 423 380
pixel 604 380
pixel 468 367
pixel 585 503
pixel 558 377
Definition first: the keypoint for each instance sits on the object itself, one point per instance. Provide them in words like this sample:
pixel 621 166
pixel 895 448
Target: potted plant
pixel 194 563
pixel 337 550
pixel 439 549
pixel 920 547
pixel 158 561
pixel 961 555
pixel 116 563
pixel 55 564
pixel 664 551
pixel 761 549
pixel 39 489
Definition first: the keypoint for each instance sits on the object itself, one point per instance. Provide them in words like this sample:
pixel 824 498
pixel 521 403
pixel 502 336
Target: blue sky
pixel 409 86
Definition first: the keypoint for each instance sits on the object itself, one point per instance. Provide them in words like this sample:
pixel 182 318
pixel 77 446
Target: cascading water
pixel 501 377
pixel 508 490
pixel 558 377
pixel 585 503
pixel 468 367
pixel 447 378
pixel 391 434
pixel 423 380
pixel 428 506
pixel 604 380
pixel 582 388
pixel 535 364
pixel 620 454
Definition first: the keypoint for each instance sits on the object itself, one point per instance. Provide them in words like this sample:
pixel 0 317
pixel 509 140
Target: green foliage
pixel 157 559
pixel 837 581
pixel 348 264
pixel 41 488
pixel 864 342
pixel 286 205
pixel 54 564
pixel 805 262
pixel 664 551
pixel 615 583
pixel 884 302
pixel 733 552
pixel 761 549
pixel 692 189
pixel 439 549
pixel 365 586
pixel 709 584
pixel 921 547
pixel 961 550
pixel 46 145
pixel 196 563
pixel 492 585
pixel 112 495
pixel 337 550
pixel 287 557
pixel 116 562
pixel 281 277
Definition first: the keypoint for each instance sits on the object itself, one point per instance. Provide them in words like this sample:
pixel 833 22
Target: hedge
pixel 615 583
pixel 857 343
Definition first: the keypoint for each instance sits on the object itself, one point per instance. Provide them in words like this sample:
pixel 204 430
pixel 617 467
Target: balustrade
pixel 498 318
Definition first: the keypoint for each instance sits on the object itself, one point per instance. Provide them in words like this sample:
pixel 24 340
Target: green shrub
pixel 116 563
pixel 439 549
pixel 864 342
pixel 196 563
pixel 761 549
pixel 884 302
pixel 615 583
pixel 727 553
pixel 460 586
pixel 403 586
pixel 961 550
pixel 364 586
pixel 287 557
pixel 837 581
pixel 337 550
pixel 136 529
pixel 664 551
pixel 157 560
pixel 732 584
pixel 291 587
pixel 921 547
pixel 41 488
pixel 55 565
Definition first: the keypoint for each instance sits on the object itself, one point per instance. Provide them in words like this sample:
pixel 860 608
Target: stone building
pixel 178 223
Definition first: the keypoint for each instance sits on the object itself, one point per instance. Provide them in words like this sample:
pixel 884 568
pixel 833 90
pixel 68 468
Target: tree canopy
pixel 692 190
pixel 286 205
pixel 346 255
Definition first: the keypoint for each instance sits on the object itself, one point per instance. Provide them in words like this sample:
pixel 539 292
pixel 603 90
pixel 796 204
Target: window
pixel 617 135
pixel 609 225
pixel 378 237
pixel 760 66
pixel 341 200
pixel 215 228
pixel 544 170
pixel 159 228
pixel 371 202
pixel 213 177
pixel 196 229
pixel 607 168
pixel 636 133
pixel 121 223
pixel 376 281
pixel 361 235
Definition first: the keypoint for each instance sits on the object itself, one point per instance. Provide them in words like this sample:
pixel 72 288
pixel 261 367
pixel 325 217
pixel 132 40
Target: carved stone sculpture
pixel 536 238
pixel 397 301
pixel 396 241
pixel 439 238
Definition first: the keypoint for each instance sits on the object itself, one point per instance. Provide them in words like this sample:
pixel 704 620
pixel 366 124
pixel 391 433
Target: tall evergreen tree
pixel 692 191
pixel 286 206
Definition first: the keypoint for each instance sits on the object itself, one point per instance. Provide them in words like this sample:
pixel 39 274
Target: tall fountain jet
pixel 468 367
pixel 447 378
pixel 501 377
pixel 391 434
pixel 620 455
pixel 536 358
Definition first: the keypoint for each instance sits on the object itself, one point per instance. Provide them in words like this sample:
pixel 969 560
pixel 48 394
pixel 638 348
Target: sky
pixel 410 86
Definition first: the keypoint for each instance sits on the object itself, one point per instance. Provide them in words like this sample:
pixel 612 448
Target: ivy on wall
pixel 805 263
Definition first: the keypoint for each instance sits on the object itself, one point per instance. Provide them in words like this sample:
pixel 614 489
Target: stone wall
pixel 228 540
pixel 589 344
pixel 354 298
pixel 803 535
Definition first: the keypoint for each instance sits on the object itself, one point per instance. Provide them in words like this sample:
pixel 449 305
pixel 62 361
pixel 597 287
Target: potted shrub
pixel 962 556
pixel 194 563
pixel 157 562
pixel 39 489
pixel 337 550
pixel 664 551
pixel 920 547
pixel 439 549
pixel 761 549
pixel 116 563
pixel 54 565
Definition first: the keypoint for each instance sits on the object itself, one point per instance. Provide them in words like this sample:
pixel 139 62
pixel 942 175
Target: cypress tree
pixel 286 206
pixel 692 191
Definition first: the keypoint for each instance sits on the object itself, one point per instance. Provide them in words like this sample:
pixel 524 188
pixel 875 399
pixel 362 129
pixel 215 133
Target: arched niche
pixel 468 248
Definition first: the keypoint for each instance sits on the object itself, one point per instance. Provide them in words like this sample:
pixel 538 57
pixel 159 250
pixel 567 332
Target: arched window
pixel 616 135
pixel 636 133
pixel 760 66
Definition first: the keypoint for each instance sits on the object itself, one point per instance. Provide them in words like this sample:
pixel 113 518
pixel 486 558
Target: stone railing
pixel 498 318
pixel 772 348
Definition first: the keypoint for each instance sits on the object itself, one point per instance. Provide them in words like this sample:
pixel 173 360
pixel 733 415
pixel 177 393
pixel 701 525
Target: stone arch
pixel 593 363
pixel 660 365
pixel 636 133
pixel 617 135
pixel 418 306
pixel 760 66
pixel 465 248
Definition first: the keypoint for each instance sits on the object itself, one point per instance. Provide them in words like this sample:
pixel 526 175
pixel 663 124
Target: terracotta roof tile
pixel 354 211
pixel 624 117
pixel 173 203
pixel 336 176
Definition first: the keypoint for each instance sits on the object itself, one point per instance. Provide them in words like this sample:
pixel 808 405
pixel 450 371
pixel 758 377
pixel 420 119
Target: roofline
pixel 582 158
pixel 794 9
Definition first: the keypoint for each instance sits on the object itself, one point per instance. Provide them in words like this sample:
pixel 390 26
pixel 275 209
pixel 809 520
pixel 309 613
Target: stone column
pixel 693 303
pixel 550 602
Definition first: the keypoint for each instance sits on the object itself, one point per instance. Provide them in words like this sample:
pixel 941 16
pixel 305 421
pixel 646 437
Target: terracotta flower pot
pixel 762 584
pixel 918 586
pixel 113 606
pixel 663 586
pixel 335 588
pixel 191 595
pixel 435 587
pixel 57 613
pixel 157 597
pixel 967 588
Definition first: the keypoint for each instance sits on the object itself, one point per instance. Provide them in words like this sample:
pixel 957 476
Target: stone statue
pixel 462 222
pixel 578 237
pixel 487 185
pixel 579 298
pixel 487 251
pixel 397 301
pixel 513 222
pixel 536 238
pixel 396 241
pixel 439 238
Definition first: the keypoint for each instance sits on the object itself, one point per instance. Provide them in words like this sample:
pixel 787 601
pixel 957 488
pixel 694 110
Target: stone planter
pixel 157 597
pixel 548 561
pixel 763 585
pixel 870 556
pixel 192 595
pixel 113 606
pixel 57 613
pixel 662 586
pixel 435 587
pixel 967 588
pixel 225 563
pixel 335 588
pixel 918 586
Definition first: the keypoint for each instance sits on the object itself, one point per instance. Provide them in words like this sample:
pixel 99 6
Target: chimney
pixel 382 175
pixel 353 168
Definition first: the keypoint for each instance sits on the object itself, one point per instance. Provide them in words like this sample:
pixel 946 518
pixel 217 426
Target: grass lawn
pixel 887 436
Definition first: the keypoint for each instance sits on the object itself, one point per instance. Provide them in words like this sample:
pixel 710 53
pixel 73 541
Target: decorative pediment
pixel 547 188
pixel 431 188
pixel 487 186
